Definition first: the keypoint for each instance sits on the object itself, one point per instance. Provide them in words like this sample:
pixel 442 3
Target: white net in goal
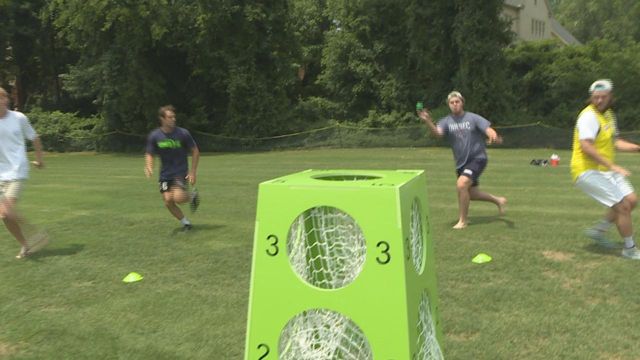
pixel 417 240
pixel 326 247
pixel 321 334
pixel 428 347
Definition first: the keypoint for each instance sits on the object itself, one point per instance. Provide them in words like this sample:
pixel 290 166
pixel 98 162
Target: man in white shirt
pixel 14 170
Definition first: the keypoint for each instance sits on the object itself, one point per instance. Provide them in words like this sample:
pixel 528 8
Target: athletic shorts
pixel 166 185
pixel 472 169
pixel 10 189
pixel 606 187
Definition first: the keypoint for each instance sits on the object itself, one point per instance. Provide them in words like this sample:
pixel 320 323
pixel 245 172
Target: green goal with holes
pixel 343 268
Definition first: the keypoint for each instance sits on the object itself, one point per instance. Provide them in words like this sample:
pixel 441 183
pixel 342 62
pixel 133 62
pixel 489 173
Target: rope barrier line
pixel 267 137
pixel 334 126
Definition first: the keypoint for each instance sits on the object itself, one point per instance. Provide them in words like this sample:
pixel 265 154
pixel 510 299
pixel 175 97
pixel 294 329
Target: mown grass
pixel 547 294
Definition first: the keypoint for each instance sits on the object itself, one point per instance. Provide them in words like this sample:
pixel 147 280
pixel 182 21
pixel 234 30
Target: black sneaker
pixel 186 227
pixel 195 200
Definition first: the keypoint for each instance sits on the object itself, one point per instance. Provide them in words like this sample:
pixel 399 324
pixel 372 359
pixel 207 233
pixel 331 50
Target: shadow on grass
pixel 478 220
pixel 66 251
pixel 593 248
pixel 196 228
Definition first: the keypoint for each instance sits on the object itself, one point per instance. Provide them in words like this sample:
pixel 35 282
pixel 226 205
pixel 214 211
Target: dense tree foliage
pixel 253 68
pixel 588 20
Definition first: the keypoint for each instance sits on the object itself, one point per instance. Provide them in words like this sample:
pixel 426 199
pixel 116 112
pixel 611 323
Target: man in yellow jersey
pixel 593 167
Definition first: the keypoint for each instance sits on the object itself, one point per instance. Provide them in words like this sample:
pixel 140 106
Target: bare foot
pixel 459 225
pixel 502 205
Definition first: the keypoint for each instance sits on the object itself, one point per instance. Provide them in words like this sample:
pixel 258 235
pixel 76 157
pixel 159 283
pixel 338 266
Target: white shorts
pixel 608 188
pixel 10 189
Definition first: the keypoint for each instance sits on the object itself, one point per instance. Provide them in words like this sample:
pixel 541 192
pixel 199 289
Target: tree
pixel 309 24
pixel 480 35
pixel 431 53
pixel 29 55
pixel 588 20
pixel 225 65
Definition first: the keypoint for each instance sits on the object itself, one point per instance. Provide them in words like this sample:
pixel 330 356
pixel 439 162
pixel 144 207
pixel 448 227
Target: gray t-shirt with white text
pixel 466 134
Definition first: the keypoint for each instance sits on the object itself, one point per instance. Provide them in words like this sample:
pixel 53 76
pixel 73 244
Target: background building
pixel 533 20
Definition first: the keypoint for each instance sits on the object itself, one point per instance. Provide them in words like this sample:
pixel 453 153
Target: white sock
pixel 603 225
pixel 628 242
pixel 185 221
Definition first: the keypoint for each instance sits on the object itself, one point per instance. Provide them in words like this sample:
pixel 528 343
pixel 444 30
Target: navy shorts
pixel 472 169
pixel 166 185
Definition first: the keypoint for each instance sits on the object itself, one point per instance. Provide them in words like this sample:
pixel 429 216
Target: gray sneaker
pixel 598 237
pixel 631 253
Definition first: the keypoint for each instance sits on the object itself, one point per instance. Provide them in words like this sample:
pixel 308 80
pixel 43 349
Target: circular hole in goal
pixel 323 334
pixel 326 247
pixel 428 346
pixel 417 239
pixel 345 177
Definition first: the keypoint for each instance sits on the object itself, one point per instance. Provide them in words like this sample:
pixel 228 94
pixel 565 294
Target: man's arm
pixel 426 118
pixel 626 146
pixel 195 158
pixel 589 149
pixel 148 164
pixel 37 146
pixel 493 136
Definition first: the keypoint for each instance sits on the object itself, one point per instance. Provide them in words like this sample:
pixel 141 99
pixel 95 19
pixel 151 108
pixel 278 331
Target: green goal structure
pixel 343 268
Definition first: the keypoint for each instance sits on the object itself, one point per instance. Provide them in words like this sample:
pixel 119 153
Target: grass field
pixel 547 294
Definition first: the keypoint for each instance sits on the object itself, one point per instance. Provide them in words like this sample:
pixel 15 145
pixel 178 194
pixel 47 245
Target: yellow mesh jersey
pixel 604 143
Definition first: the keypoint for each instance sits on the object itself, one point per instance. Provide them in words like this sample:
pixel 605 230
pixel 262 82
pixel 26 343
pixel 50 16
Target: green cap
pixel 419 105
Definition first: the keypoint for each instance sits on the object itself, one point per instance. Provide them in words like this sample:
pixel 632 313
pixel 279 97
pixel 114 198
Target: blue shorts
pixel 472 169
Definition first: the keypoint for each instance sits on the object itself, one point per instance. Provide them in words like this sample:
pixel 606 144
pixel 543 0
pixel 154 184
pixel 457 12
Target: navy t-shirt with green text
pixel 173 149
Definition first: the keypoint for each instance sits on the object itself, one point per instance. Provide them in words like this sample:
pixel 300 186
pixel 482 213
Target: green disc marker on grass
pixel 481 258
pixel 132 277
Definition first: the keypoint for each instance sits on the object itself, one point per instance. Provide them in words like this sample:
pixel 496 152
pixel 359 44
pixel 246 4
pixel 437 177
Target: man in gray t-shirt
pixel 467 133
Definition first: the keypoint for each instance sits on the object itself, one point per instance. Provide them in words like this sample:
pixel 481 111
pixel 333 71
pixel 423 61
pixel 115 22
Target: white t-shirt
pixel 588 126
pixel 14 130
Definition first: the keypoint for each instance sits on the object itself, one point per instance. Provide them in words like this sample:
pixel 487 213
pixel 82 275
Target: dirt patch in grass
pixel 557 255
pixel 7 350
pixel 464 336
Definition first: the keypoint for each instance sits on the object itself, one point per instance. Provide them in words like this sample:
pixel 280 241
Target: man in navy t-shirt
pixel 467 133
pixel 173 144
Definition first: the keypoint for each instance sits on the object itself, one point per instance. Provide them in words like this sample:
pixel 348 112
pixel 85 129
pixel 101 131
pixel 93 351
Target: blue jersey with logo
pixel 173 149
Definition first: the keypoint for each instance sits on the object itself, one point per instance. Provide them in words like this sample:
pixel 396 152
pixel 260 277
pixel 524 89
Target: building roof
pixel 563 33
pixel 514 3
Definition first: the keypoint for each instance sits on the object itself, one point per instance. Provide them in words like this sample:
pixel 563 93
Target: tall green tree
pixel 225 65
pixel 30 58
pixel 121 54
pixel 380 56
pixel 614 20
pixel 431 55
pixel 480 35
pixel 309 23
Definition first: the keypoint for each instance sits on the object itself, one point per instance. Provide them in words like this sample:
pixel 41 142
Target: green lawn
pixel 547 294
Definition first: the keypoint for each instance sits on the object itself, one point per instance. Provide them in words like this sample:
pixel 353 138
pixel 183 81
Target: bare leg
pixel 499 201
pixel 171 205
pixel 12 220
pixel 622 211
pixel 464 197
pixel 179 195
